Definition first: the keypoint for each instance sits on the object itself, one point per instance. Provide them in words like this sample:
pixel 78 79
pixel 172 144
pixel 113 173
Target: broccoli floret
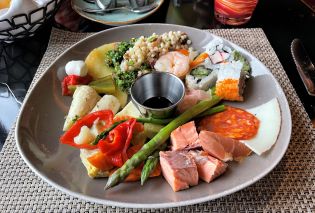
pixel 124 80
pixel 114 57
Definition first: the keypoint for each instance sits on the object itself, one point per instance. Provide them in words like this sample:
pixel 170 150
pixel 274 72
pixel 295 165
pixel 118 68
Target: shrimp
pixel 173 62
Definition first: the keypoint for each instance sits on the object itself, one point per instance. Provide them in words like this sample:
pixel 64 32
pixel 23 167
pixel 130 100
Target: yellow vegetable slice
pixel 95 61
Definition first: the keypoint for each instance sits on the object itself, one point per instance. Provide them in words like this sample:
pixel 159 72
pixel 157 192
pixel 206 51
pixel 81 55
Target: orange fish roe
pixel 228 89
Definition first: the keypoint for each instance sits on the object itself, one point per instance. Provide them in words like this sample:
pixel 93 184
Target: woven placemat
pixel 288 188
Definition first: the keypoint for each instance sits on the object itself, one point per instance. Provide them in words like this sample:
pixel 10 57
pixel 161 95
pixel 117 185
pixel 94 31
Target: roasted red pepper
pixel 88 120
pixel 74 80
pixel 118 139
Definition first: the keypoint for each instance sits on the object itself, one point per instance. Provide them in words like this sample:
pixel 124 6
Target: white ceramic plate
pixel 42 115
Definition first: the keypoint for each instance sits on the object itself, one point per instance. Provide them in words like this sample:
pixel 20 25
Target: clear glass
pixel 234 12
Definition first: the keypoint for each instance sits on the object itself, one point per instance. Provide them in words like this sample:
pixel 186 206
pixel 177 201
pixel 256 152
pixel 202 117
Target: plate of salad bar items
pixel 154 116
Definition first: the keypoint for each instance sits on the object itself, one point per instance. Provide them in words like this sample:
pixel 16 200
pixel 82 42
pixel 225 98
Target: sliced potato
pixel 107 102
pixel 131 110
pixel 95 61
pixel 121 96
pixel 84 99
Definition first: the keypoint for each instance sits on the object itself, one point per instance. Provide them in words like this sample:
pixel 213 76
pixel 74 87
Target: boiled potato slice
pixel 109 102
pixel 130 110
pixel 95 61
pixel 121 96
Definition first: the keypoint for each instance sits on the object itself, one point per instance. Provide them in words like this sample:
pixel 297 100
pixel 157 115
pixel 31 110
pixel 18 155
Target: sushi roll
pixel 201 82
pixel 231 81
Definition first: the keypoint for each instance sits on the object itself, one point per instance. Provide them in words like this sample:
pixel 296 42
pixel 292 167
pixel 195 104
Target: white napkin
pixel 21 7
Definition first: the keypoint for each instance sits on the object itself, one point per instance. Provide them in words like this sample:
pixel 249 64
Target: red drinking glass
pixel 234 12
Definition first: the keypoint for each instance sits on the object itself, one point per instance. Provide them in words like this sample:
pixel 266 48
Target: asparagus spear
pixel 142 120
pixel 212 110
pixel 159 139
pixel 151 163
pixel 106 131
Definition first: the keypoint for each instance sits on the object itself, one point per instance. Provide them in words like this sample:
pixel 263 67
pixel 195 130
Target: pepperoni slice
pixel 233 123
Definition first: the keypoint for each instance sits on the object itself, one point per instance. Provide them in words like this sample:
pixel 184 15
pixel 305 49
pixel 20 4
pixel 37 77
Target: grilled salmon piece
pixel 191 98
pixel 223 148
pixel 179 169
pixel 208 167
pixel 185 137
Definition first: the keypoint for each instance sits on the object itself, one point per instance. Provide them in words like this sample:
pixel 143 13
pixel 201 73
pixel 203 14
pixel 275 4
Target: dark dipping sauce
pixel 157 102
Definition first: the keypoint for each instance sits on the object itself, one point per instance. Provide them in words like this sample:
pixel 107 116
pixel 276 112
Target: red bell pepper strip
pixel 127 144
pixel 88 120
pixel 118 138
pixel 74 80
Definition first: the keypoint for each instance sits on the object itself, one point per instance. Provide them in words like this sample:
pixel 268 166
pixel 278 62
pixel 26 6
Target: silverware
pixel 101 4
pixel 90 1
pixel 129 8
pixel 304 65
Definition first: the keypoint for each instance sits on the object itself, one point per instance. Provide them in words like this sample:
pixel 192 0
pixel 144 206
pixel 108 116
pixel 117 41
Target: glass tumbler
pixel 234 12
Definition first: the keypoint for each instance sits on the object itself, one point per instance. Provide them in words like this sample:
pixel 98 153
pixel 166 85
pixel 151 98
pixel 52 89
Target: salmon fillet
pixel 208 167
pixel 185 137
pixel 223 148
pixel 191 98
pixel 179 169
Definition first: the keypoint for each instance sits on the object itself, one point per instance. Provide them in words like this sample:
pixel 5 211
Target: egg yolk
pixel 5 4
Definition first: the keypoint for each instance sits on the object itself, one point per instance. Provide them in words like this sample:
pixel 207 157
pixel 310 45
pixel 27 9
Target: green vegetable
pixel 237 56
pixel 151 130
pixel 152 38
pixel 114 57
pixel 212 111
pixel 159 139
pixel 124 80
pixel 101 86
pixel 200 72
pixel 155 120
pixel 151 164
pixel 106 131
pixel 142 120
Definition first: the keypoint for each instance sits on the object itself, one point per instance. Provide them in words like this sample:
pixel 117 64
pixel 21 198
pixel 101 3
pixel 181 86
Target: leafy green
pixel 237 56
pixel 200 72
pixel 124 80
pixel 114 57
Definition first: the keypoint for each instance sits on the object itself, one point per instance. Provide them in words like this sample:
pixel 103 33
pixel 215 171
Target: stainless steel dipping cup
pixel 157 84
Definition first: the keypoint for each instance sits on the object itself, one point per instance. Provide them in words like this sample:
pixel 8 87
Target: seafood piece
pixel 179 169
pixel 203 83
pixel 231 81
pixel 107 102
pixel 223 148
pixel 216 57
pixel 191 98
pixel 173 62
pixel 185 137
pixel 84 99
pixel 208 167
